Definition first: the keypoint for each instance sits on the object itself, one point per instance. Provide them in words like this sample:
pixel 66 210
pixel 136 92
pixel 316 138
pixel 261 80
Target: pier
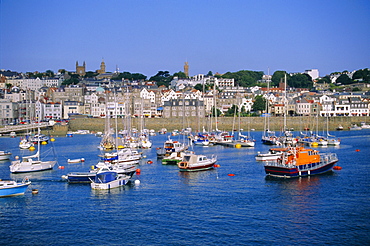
pixel 25 127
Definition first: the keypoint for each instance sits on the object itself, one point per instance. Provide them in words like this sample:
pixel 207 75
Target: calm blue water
pixel 202 208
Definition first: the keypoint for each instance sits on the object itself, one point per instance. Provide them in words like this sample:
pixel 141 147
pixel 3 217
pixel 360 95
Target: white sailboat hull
pixel 31 166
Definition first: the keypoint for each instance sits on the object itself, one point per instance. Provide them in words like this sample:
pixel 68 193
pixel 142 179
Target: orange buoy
pixel 231 174
pixel 357 150
pixel 61 167
pixel 216 165
pixel 337 168
pixel 138 171
pixel 150 162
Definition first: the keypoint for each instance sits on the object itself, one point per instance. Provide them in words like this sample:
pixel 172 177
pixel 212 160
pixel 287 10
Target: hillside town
pixel 25 99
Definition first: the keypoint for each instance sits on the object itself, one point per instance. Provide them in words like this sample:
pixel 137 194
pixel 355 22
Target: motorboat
pixel 272 155
pixel 39 138
pixel 25 144
pixel 355 127
pixel 13 188
pixel 194 162
pixel 4 155
pixel 76 160
pixel 86 177
pixel 169 147
pixel 109 180
pixel 173 158
pixel 299 162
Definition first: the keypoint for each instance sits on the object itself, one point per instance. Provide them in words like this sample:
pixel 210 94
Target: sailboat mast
pixel 285 102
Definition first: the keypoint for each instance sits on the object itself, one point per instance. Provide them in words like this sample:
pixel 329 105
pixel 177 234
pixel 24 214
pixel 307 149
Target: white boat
pixel 39 138
pixel 193 162
pixel 123 155
pixel 272 155
pixel 364 125
pixel 109 180
pixel 31 163
pixel 12 188
pixel 4 155
pixel 355 127
pixel 162 131
pixel 25 144
pixel 76 160
pixel 169 147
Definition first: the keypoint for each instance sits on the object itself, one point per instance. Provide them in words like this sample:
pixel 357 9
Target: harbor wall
pixel 223 123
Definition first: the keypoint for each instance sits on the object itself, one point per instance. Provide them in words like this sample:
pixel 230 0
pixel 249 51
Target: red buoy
pixel 216 165
pixel 138 171
pixel 337 168
pixel 231 174
pixel 61 167
pixel 150 162
pixel 357 150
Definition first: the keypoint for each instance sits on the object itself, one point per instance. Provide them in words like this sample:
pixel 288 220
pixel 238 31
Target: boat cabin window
pixel 187 158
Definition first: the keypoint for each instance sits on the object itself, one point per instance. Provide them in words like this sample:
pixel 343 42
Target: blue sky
pixel 147 36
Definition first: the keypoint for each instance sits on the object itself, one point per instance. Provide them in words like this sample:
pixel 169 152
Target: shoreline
pixel 223 123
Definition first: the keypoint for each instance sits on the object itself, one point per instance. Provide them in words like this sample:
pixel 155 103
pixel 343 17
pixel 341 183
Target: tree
pixel 49 73
pixel 90 74
pixel 232 111
pixel 259 103
pixel 344 80
pixel 73 80
pixel 324 80
pixel 162 78
pixel 244 78
pixel 209 74
pixel 218 112
pixel 300 81
pixel 180 75
pixel 362 74
pixel 278 77
pixel 198 87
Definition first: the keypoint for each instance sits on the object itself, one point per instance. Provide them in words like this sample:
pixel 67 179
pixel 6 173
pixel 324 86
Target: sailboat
pixel 287 136
pixel 107 142
pixel 31 163
pixel 269 137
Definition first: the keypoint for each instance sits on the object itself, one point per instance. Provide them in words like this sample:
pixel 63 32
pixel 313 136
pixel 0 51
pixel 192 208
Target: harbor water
pixel 211 207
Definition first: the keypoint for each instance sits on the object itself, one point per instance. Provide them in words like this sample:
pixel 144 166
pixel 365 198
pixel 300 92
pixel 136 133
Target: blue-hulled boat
pixel 299 162
pixel 12 188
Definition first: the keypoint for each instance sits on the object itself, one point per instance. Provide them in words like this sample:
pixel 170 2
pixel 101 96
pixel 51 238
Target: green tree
pixel 198 87
pixel 215 112
pixel 300 81
pixel 49 73
pixel 278 77
pixel 73 80
pixel 233 110
pixel 209 74
pixel 259 103
pixel 162 78
pixel 90 74
pixel 362 74
pixel 344 80
pixel 325 80
pixel 244 78
pixel 180 75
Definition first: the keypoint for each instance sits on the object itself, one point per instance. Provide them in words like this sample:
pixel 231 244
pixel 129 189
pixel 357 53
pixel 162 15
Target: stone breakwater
pixel 223 123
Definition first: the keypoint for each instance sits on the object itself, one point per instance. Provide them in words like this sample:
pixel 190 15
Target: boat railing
pixel 325 158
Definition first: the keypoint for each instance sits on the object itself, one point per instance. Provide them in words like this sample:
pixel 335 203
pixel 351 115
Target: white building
pixel 314 73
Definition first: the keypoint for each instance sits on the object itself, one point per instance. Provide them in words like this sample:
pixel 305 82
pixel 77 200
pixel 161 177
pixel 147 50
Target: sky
pixel 147 36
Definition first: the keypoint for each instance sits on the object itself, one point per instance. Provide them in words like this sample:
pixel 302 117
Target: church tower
pixel 81 70
pixel 102 67
pixel 186 69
